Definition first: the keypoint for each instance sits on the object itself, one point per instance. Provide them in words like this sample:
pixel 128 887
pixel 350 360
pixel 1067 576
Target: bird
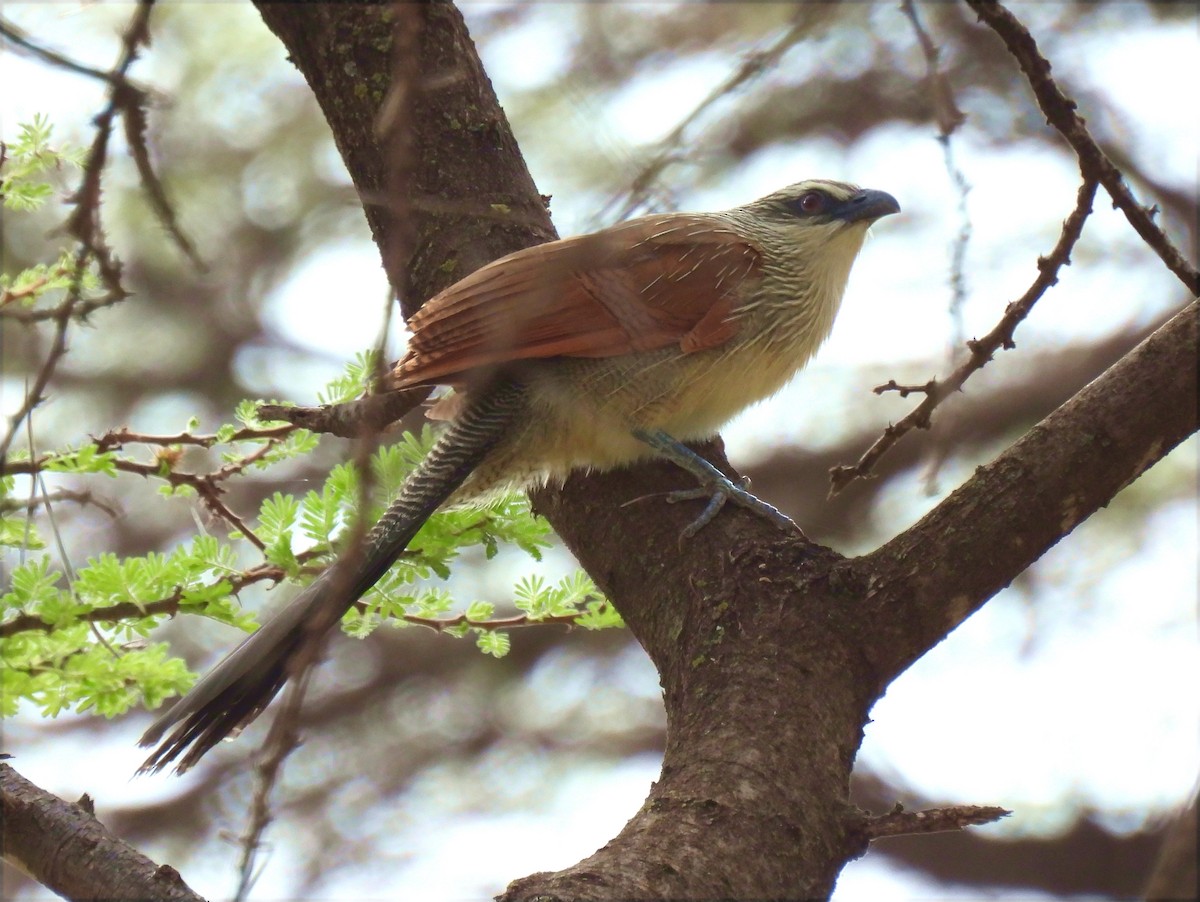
pixel 590 352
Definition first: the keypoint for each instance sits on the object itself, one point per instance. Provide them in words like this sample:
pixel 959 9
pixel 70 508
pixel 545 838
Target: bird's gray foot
pixel 714 485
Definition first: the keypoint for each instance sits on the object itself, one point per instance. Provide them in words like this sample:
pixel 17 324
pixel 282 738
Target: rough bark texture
pixel 771 650
pixel 69 852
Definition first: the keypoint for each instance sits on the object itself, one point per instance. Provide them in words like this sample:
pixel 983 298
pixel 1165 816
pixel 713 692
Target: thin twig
pixel 18 37
pixel 134 118
pixel 118 438
pixel 981 349
pixel 440 625
pixel 84 225
pixel 1060 113
pixel 82 498
pixel 753 65
pixel 71 308
pixel 127 610
pixel 949 118
pixel 208 486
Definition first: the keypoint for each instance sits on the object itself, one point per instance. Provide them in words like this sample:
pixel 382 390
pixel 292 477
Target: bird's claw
pixel 719 490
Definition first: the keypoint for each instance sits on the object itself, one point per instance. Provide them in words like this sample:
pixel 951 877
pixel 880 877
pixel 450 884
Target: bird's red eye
pixel 812 202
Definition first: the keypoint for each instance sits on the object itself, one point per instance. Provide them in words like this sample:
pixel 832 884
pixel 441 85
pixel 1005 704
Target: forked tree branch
pixel 771 651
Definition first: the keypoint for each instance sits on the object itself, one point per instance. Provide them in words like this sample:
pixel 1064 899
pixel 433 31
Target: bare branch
pixel 1060 112
pixel 84 225
pixel 981 350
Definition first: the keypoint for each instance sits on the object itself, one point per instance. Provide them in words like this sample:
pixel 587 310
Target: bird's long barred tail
pixel 243 684
pixel 452 459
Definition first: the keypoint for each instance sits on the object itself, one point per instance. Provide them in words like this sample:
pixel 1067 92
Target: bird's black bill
pixel 867 204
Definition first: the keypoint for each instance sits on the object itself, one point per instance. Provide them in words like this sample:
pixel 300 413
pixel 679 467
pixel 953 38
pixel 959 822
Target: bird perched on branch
pixel 591 352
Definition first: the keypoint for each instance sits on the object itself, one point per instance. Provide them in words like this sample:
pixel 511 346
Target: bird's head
pixel 835 206
pixel 817 226
pixel 821 210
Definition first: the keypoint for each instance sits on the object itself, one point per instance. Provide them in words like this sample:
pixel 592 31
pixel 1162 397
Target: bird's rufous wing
pixel 647 284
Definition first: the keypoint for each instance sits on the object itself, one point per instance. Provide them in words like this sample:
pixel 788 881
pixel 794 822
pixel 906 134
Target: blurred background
pixel 432 772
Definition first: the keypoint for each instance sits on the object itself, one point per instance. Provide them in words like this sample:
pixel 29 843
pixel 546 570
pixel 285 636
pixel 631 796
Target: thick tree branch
pixel 68 851
pixel 771 651
pixel 928 580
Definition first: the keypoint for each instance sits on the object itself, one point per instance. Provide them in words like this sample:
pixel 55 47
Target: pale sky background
pixel 1022 700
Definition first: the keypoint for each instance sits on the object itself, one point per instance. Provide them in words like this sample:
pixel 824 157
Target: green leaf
pixel 480 610
pixel 86 459
pixel 495 644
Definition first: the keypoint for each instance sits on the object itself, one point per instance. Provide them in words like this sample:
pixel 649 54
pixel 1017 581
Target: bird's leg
pixel 714 485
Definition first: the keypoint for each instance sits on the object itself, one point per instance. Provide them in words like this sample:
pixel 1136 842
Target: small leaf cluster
pixel 84 646
pixel 27 162
pixel 28 169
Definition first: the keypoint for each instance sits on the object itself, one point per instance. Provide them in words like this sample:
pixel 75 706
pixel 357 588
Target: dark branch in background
pixel 115 79
pixel 133 106
pixel 1095 164
pixel 982 349
pixel 1175 873
pixel 639 193
pixel 949 118
pixel 71 308
pixel 69 852
pixel 83 498
pixel 84 223
pixel 282 739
